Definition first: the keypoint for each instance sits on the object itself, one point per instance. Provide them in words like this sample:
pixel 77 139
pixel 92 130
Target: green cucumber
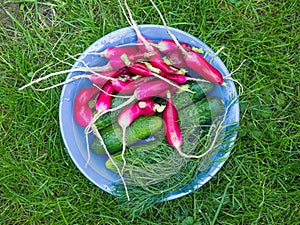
pixel 141 128
pixel 204 111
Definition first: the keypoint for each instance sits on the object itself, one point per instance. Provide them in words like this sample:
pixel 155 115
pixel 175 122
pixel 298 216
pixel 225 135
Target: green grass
pixel 259 184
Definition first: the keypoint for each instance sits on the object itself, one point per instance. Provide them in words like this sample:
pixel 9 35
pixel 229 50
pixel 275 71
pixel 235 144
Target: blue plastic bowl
pixel 73 135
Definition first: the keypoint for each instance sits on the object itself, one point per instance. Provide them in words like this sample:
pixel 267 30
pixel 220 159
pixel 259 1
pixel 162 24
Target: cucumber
pixel 204 110
pixel 141 128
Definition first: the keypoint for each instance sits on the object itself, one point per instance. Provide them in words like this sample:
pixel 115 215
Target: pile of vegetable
pixel 150 110
pixel 140 92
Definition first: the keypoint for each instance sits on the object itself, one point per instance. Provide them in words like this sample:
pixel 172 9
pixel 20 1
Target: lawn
pixel 259 183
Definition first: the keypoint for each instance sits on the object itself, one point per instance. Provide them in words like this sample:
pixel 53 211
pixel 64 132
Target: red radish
pixel 82 113
pixel 155 57
pixel 140 68
pixel 180 79
pixel 193 60
pixel 171 124
pixel 129 114
pixel 129 86
pixel 167 46
pixel 150 89
pixel 146 69
pixel 85 95
pixel 104 100
pixel 197 62
pixel 119 85
pixel 172 90
pixel 140 108
pixel 157 61
pixel 148 47
pixel 176 59
pixel 127 54
pixel 117 52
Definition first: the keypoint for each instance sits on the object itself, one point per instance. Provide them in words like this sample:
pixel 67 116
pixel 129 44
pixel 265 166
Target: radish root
pixel 96 132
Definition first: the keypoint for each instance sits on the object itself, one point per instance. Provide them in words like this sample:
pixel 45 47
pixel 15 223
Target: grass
pixel 259 184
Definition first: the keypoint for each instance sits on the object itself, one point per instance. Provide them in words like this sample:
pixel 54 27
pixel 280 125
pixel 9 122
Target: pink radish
pixel 167 46
pixel 127 53
pixel 155 57
pixel 129 114
pixel 197 62
pixel 82 113
pixel 171 90
pixel 176 59
pixel 85 95
pixel 117 52
pixel 157 61
pixel 146 69
pixel 180 79
pixel 193 60
pixel 96 79
pixel 140 108
pixel 104 100
pixel 140 68
pixel 129 86
pixel 171 124
pixel 150 89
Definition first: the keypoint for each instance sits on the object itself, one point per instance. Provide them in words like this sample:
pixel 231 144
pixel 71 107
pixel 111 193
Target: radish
pixel 143 92
pixel 146 69
pixel 117 52
pixel 85 95
pixel 128 54
pixel 193 60
pixel 129 114
pixel 102 77
pixel 129 86
pixel 167 46
pixel 155 57
pixel 104 100
pixel 140 68
pixel 197 62
pixel 180 79
pixel 150 89
pixel 171 124
pixel 157 61
pixel 176 59
pixel 82 113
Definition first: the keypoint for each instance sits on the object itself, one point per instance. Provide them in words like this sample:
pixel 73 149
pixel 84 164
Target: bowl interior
pixel 73 135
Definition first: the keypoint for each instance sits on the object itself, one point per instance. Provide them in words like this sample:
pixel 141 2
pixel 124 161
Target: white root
pixel 78 69
pixel 168 30
pixel 216 53
pixel 135 27
pixel 123 149
pixel 228 77
pixel 65 82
